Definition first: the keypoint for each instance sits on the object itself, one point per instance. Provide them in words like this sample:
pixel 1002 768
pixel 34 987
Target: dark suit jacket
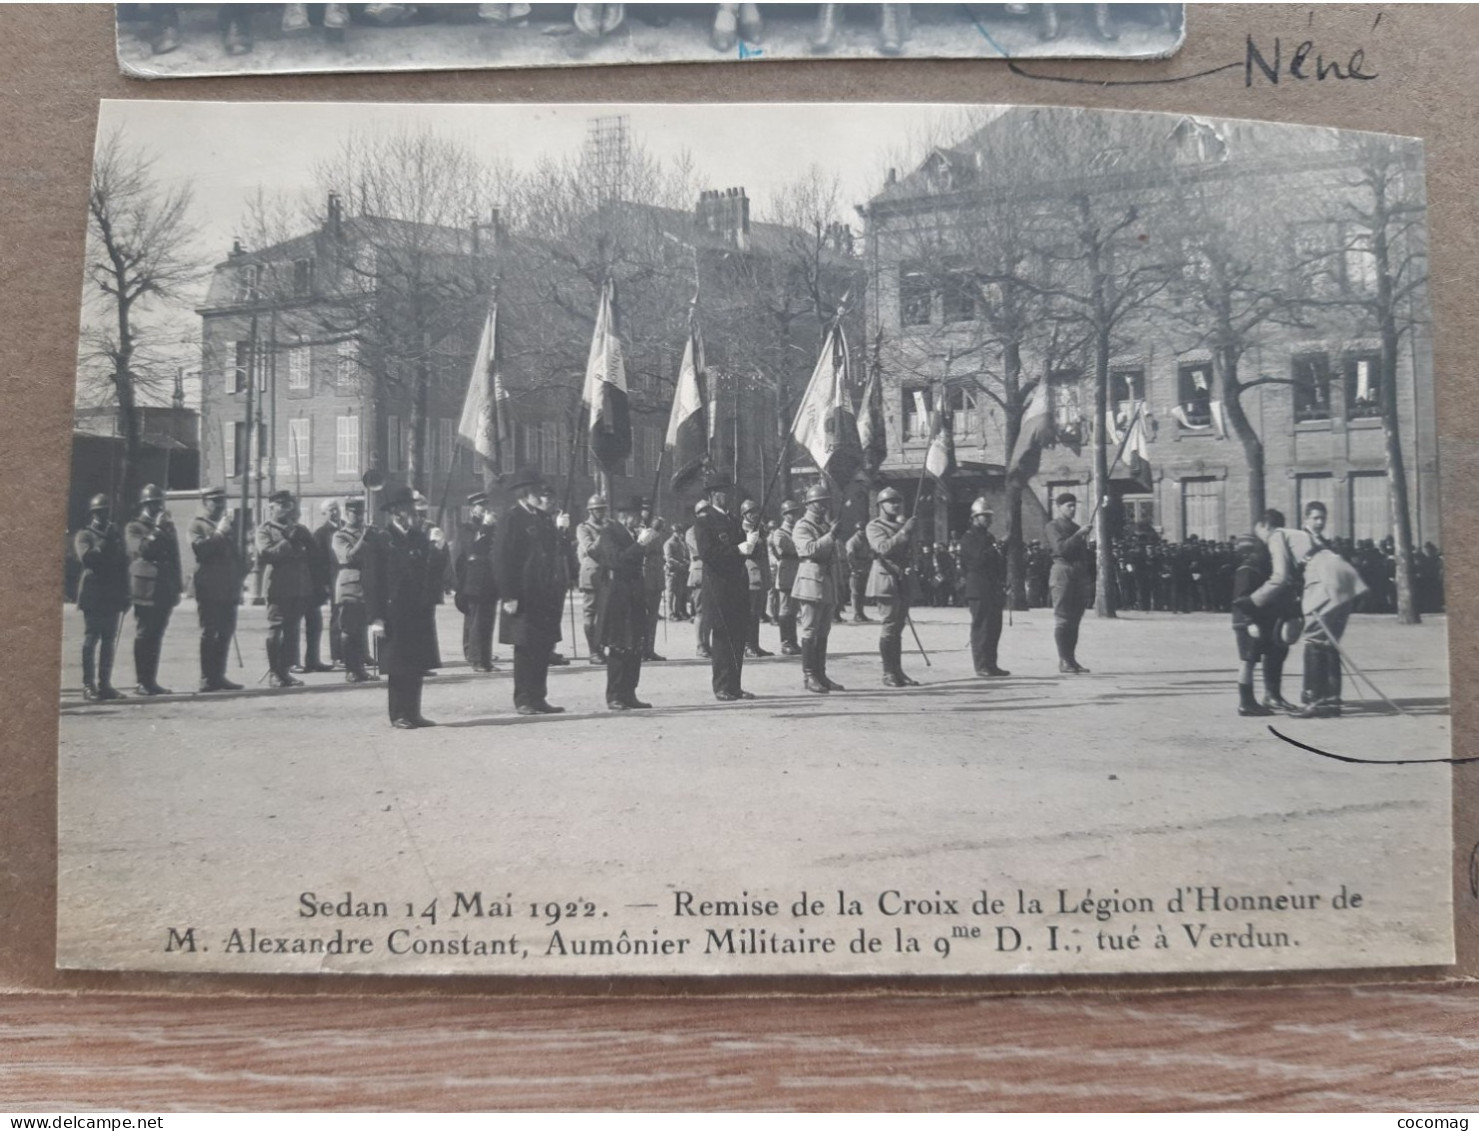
pixel 984 566
pixel 218 572
pixel 408 564
pixel 530 563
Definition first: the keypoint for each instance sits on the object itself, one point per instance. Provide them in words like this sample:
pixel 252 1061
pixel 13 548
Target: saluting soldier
pixel 676 560
pixel 783 550
pixel 701 614
pixel 592 576
pixel 888 583
pixel 154 584
pixel 757 569
pixel 621 622
pixel 321 566
pixel 721 545
pixel 477 588
pixel 408 565
pixel 816 587
pixel 218 577
pixel 985 570
pixel 652 577
pixel 283 550
pixel 1069 580
pixel 529 561
pixel 102 595
pixel 357 553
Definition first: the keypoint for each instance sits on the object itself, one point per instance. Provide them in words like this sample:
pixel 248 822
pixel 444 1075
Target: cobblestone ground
pixel 1130 782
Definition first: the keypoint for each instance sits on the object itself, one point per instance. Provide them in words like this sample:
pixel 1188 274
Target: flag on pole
pixel 826 425
pixel 939 460
pixel 605 393
pixel 1035 434
pixel 485 424
pixel 872 428
pixel 1137 449
pixel 687 438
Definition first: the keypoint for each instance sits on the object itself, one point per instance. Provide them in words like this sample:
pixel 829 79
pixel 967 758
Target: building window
pixel 1370 517
pixel 231 439
pixel 298 369
pixel 960 403
pixel 300 446
pixel 1065 398
pixel 1194 392
pixel 1126 387
pixel 394 443
pixel 1357 262
pixel 1363 386
pixel 1139 512
pixel 346 445
pixel 302 276
pixel 1318 487
pixel 1311 374
pixel 241 366
pixel 1201 509
pixel 958 296
pixel 249 282
pixel 447 441
pixel 916 404
pixel 346 369
pixel 915 295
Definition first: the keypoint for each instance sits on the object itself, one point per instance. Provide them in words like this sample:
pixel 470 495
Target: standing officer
pixel 399 614
pixel 859 568
pixel 102 595
pixel 888 584
pixel 529 561
pixel 1069 580
pixel 783 550
pixel 701 614
pixel 154 584
pixel 816 587
pixel 721 546
pixel 357 553
pixel 652 577
pixel 621 622
pixel 322 566
pixel 218 576
pixel 437 568
pixel 592 576
pixel 283 550
pixel 985 570
pixel 676 559
pixel 477 589
pixel 757 569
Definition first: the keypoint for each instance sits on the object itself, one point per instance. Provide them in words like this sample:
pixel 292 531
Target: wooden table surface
pixel 1326 1049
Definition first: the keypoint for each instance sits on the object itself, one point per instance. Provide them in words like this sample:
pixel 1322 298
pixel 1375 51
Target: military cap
pixel 354 503
pixel 476 498
pixel 99 503
pixel 792 506
pixel 528 476
pixel 596 503
pixel 283 496
pixel 981 506
pixel 1065 497
pixel 213 493
pixel 151 494
pixel 890 495
pixel 818 494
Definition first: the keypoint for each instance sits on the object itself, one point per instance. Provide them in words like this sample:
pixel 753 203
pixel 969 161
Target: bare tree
pixel 138 238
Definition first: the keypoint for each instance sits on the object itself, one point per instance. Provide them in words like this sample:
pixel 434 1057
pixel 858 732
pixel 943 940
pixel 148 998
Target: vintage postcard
pixel 177 40
pixel 752 540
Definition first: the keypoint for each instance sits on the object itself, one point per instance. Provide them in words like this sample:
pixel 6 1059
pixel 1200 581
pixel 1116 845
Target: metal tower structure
pixel 607 156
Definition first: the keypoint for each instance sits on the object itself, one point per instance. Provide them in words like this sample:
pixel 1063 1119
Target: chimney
pixel 334 222
pixel 893 176
pixel 237 251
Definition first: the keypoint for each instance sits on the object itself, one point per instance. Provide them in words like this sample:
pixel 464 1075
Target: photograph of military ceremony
pixel 179 40
pixel 751 539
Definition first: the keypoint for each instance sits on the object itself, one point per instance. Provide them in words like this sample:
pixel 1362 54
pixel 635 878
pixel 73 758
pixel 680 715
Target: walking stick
pixel 1356 673
pixel 237 647
pixel 910 622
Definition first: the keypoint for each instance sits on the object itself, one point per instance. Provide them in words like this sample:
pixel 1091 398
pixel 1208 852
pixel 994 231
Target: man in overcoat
pixel 529 562
pixel 357 551
pixel 719 544
pixel 477 588
pixel 218 577
pixel 283 550
pixel 984 566
pixel 1069 581
pixel 408 565
pixel 102 595
pixel 154 584
pixel 621 621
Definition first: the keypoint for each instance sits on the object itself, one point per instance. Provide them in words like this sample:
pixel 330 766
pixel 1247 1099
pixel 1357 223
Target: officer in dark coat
pixel 407 651
pixel 154 584
pixel 102 595
pixel 357 553
pixel 218 576
pixel 1070 580
pixel 477 588
pixel 321 566
pixel 621 550
pixel 530 563
pixel 985 571
pixel 283 550
pixel 726 586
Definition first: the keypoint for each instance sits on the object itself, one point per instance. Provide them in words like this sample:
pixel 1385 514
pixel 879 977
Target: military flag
pixel 485 424
pixel 939 460
pixel 1137 448
pixel 826 424
pixel 1036 433
pixel 605 393
pixel 687 438
pixel 872 429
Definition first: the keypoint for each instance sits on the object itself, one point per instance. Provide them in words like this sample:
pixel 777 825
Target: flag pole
pixel 1118 455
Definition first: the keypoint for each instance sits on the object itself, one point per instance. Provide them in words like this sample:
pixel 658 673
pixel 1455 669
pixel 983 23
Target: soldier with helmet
pixel 816 588
pixel 757 569
pixel 218 577
pixel 783 550
pixel 889 581
pixel 283 550
pixel 592 576
pixel 722 546
pixel 357 554
pixel 154 584
pixel 1070 581
pixel 102 595
pixel 985 571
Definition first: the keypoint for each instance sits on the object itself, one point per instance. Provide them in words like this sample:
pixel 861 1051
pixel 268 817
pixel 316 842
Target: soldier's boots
pixel 811 678
pixel 892 652
pixel 1249 706
pixel 827 681
pixel 1273 675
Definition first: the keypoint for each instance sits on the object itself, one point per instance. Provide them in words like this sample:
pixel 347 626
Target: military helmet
pixel 151 494
pixel 792 506
pixel 818 494
pixel 99 503
pixel 890 495
pixel 981 506
pixel 749 506
pixel 596 502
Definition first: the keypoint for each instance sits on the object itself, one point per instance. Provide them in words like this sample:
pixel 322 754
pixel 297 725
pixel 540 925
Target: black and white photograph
pixel 792 539
pixel 190 40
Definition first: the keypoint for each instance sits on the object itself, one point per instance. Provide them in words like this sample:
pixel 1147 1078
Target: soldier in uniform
pixel 592 577
pixel 783 550
pixel 283 550
pixel 653 580
pixel 408 568
pixel 218 576
pixel 1069 581
pixel 102 595
pixel 321 566
pixel 757 569
pixel 888 583
pixel 621 622
pixel 529 562
pixel 816 587
pixel 675 562
pixel 477 589
pixel 438 567
pixel 154 584
pixel 357 552
pixel 860 569
pixel 701 614
pixel 985 570
pixel 722 547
